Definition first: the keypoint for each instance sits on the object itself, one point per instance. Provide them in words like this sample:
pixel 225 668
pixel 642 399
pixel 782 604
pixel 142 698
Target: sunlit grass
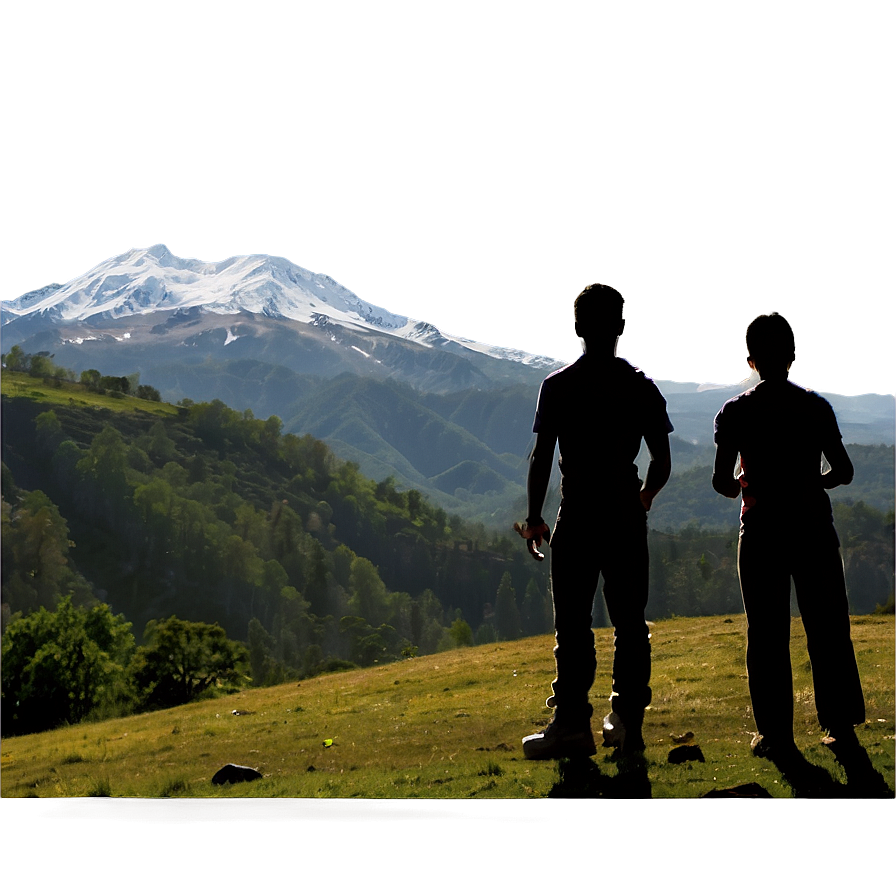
pixel 20 385
pixel 450 726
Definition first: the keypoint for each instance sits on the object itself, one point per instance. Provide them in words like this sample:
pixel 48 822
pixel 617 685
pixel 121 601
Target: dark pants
pixel 768 557
pixel 581 549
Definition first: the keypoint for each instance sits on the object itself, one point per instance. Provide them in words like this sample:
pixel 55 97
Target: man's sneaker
pixel 559 741
pixel 842 741
pixel 617 735
pixel 613 730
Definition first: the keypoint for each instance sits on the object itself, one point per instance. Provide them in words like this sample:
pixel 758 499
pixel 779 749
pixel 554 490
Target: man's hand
pixel 534 535
pixel 658 469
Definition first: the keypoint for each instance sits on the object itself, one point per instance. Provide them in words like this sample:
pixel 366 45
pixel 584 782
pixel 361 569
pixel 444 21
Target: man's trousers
pixel 768 556
pixel 583 547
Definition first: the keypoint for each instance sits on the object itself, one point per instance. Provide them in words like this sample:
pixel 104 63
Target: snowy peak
pixel 144 281
pixel 149 280
pixel 29 302
pixel 424 333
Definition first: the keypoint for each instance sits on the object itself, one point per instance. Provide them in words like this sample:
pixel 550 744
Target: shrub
pixel 62 666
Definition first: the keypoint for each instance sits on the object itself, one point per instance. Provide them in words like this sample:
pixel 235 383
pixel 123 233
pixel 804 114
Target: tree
pixel 158 445
pixel 149 393
pixel 535 617
pixel 35 553
pixel 427 617
pixel 61 665
pixel 264 667
pixel 342 559
pixel 370 645
pixel 16 359
pixel 104 471
pixel 460 632
pixel 866 536
pixel 182 660
pixel 115 384
pixel 91 378
pixel 48 432
pixel 316 588
pixel 41 365
pixel 369 595
pixel 507 615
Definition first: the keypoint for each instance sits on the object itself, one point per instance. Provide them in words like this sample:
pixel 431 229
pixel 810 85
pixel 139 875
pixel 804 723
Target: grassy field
pixel 450 726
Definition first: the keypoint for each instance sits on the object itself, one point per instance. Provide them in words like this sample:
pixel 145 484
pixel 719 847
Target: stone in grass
pixel 235 774
pixel 687 753
pixel 751 790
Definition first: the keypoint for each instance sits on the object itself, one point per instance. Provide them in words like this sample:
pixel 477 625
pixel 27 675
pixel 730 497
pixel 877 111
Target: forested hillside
pixel 207 515
pixel 177 510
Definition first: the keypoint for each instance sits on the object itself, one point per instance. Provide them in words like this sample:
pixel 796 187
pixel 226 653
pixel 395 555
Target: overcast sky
pixel 476 164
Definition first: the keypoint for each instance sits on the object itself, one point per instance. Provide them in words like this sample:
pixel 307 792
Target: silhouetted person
pixel 780 431
pixel 598 409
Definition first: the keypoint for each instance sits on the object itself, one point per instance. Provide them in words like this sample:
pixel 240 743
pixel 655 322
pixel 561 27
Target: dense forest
pixel 208 515
pixel 198 523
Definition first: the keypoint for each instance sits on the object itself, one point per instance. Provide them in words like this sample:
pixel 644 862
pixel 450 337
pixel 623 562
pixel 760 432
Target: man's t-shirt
pixel 599 412
pixel 780 431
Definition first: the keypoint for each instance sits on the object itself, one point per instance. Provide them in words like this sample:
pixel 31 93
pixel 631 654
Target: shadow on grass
pixel 863 780
pixel 582 779
pixel 810 781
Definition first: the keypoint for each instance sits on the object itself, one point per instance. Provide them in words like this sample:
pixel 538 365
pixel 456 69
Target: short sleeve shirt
pixel 780 431
pixel 599 413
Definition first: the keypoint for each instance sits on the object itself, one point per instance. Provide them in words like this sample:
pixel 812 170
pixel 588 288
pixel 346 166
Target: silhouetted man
pixel 598 409
pixel 780 431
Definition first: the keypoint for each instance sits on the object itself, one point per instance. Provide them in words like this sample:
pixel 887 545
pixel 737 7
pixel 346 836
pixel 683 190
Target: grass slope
pixel 21 385
pixel 450 725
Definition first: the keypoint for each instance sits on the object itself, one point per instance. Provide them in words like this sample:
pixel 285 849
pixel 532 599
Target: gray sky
pixel 476 164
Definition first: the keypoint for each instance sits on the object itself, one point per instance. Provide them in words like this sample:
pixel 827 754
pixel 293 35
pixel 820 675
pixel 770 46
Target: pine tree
pixel 535 620
pixel 507 614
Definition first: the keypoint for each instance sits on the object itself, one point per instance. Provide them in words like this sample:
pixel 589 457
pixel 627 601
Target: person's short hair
pixel 598 305
pixel 770 340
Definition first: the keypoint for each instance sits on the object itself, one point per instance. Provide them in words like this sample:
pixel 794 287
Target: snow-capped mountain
pixel 228 329
pixel 145 281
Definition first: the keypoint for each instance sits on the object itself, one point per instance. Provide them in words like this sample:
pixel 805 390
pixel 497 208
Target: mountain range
pixel 230 300
pixel 444 414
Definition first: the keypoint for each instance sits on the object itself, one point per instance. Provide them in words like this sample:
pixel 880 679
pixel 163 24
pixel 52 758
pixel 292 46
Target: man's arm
pixel 841 471
pixel 723 480
pixel 658 469
pixel 541 460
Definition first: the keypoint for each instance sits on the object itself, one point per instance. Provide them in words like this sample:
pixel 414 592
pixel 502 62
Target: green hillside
pixel 389 428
